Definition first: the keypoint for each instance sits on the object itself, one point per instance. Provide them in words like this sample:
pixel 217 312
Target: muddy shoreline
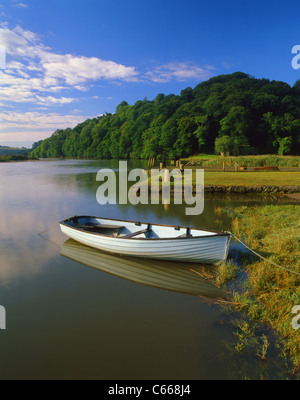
pixel 251 189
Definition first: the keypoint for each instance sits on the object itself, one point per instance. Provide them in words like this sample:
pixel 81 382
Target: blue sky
pixel 68 60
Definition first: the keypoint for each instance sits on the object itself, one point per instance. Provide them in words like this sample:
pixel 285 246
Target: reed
pixel 253 161
pixel 269 293
pixel 227 271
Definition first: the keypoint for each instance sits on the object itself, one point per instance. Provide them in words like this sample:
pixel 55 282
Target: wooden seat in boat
pixel 130 235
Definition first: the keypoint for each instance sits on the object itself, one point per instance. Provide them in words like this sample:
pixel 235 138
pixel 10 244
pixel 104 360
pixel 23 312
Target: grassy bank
pixel 265 178
pixel 248 179
pixel 269 293
pixel 247 161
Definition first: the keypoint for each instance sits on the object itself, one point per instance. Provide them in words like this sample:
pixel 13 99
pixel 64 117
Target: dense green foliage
pixel 258 115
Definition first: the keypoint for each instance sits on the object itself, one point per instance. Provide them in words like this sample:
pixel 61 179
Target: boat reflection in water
pixel 174 276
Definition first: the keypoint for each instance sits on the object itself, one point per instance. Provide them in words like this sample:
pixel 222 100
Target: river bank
pixel 251 189
pixel 258 288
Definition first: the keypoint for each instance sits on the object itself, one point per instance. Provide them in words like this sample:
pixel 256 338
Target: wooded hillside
pixel 253 116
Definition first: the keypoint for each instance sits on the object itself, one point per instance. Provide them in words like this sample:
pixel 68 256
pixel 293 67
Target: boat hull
pixel 211 249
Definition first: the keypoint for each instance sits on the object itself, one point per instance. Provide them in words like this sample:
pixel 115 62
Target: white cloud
pixel 37 120
pixel 31 55
pixel 21 88
pixel 77 70
pixel 50 100
pixel 35 75
pixel 34 125
pixel 179 71
pixel 21 43
pixel 33 70
pixel 21 5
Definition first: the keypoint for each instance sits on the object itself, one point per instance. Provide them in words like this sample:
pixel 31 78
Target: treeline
pixel 243 114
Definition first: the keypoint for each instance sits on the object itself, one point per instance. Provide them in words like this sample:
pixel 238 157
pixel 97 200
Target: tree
pixel 35 144
pixel 285 145
pixel 235 125
pixel 186 143
pixel 186 95
pixel 224 145
pixel 168 137
pixel 202 132
pixel 151 138
pixel 282 128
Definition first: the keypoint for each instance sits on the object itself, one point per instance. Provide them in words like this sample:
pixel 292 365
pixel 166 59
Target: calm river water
pixel 75 313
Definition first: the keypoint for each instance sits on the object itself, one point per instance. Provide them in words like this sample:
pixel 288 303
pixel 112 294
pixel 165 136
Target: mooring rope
pixel 52 227
pixel 41 235
pixel 264 258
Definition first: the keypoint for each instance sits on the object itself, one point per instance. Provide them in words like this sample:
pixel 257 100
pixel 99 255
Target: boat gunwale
pixel 64 222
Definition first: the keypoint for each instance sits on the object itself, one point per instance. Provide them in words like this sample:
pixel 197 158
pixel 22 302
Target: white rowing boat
pixel 155 241
pixel 178 277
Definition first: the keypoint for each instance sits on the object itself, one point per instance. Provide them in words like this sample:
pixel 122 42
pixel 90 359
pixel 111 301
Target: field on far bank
pixel 263 178
pixel 288 181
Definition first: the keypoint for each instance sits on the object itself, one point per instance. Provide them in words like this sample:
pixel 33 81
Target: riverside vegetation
pixel 269 160
pixel 268 293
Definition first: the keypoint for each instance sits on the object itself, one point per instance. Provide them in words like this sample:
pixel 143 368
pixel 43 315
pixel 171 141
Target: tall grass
pixel 269 292
pixel 252 161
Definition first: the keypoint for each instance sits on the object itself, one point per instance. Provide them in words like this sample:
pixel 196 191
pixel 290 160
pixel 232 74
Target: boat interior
pixel 127 229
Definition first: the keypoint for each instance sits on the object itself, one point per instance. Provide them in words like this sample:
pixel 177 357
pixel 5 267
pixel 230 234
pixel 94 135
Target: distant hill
pixel 6 150
pixel 255 116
